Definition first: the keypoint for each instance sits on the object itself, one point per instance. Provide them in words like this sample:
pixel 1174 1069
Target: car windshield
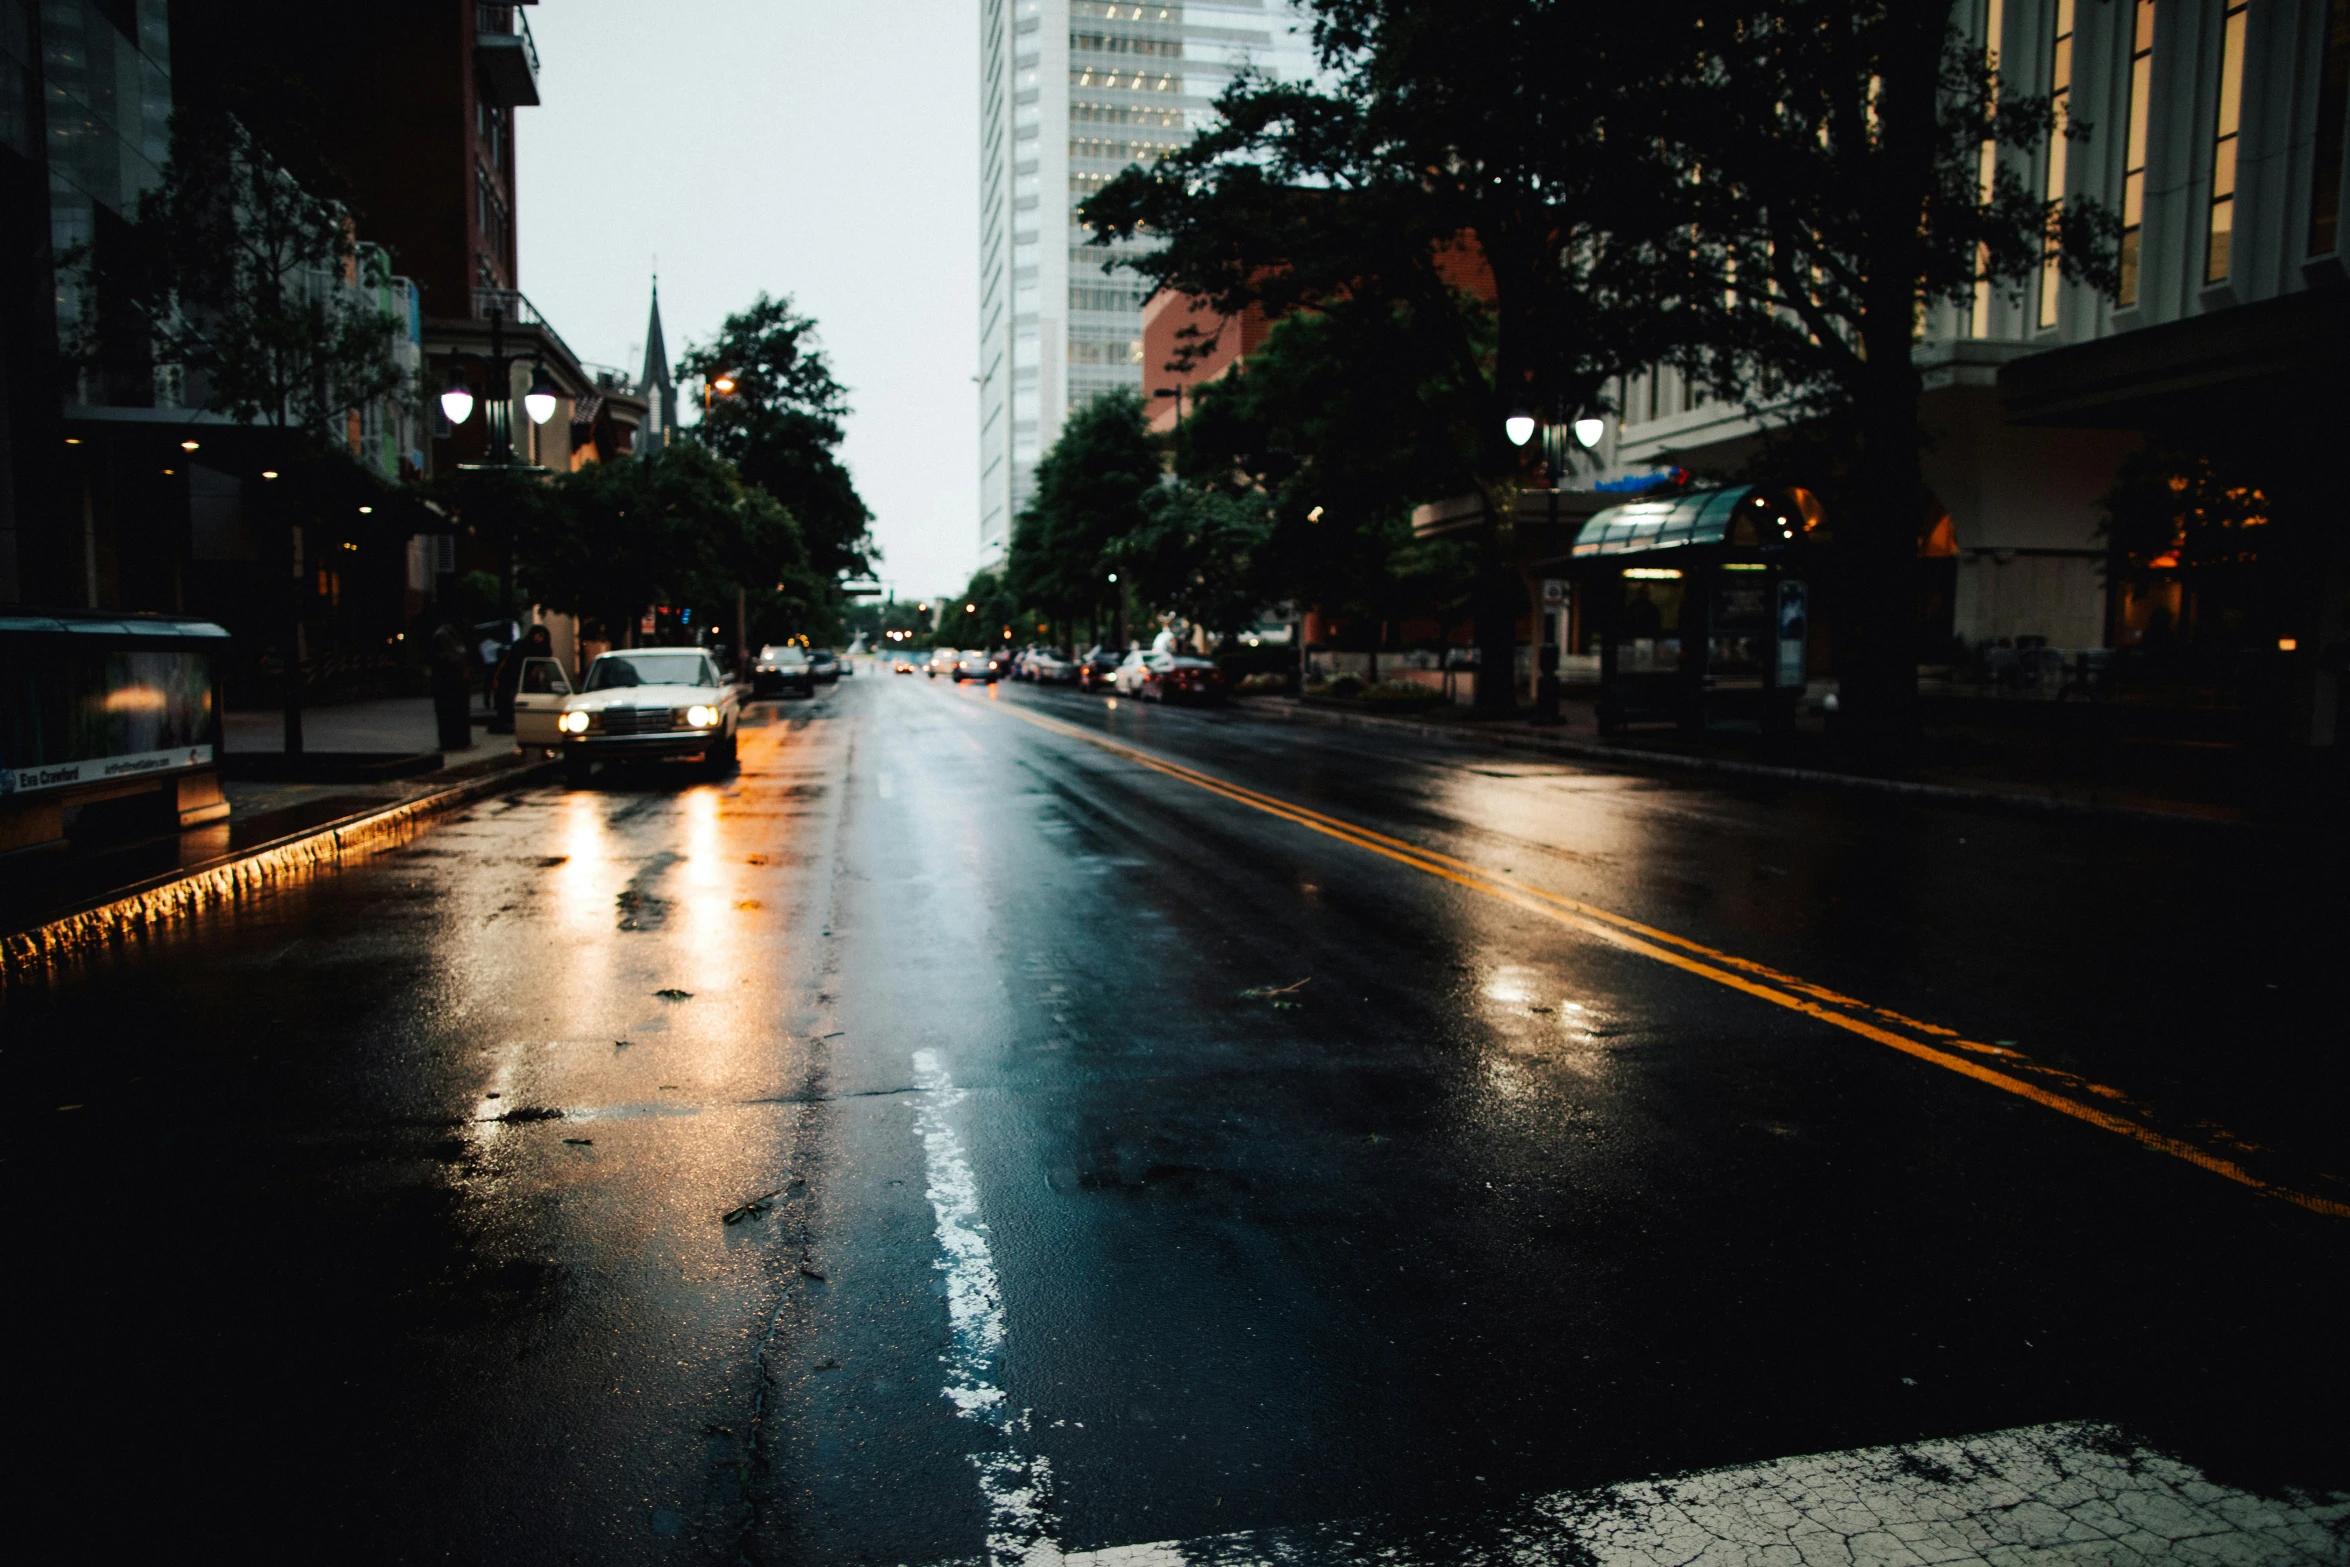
pixel 615 671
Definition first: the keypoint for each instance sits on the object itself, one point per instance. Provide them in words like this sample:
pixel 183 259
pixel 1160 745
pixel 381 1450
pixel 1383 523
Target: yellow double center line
pixel 2010 1071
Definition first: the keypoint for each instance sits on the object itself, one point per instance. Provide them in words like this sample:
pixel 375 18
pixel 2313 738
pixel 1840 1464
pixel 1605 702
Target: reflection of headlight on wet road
pixel 573 723
pixel 699 717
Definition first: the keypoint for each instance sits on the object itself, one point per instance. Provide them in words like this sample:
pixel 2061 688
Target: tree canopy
pixel 780 426
pixel 1520 200
pixel 678 526
pixel 1091 489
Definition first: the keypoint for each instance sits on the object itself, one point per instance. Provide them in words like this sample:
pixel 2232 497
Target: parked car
pixel 976 665
pixel 1180 678
pixel 1127 680
pixel 642 704
pixel 1097 667
pixel 781 670
pixel 824 664
pixel 1047 667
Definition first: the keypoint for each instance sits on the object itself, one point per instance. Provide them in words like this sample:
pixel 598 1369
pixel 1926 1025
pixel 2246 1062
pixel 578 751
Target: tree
pixel 979 616
pixel 1835 155
pixel 1767 196
pixel 241 278
pixel 239 281
pixel 780 426
pixel 1193 555
pixel 1462 203
pixel 1456 185
pixel 1090 492
pixel 677 527
pixel 1318 422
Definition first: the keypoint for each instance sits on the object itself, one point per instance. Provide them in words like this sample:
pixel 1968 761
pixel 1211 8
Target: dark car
pixel 824 664
pixel 779 671
pixel 1180 679
pixel 1097 667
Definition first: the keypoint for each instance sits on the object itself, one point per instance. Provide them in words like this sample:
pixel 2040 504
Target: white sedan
pixel 643 703
pixel 1132 670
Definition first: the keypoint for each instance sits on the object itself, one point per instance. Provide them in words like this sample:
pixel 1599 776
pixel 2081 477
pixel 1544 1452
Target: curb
pixel 1587 750
pixel 149 906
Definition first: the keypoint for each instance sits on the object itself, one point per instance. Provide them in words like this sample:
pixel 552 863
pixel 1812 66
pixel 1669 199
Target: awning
pixel 131 630
pixel 1748 517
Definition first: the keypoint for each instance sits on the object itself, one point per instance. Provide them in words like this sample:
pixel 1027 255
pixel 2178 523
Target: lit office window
pixel 1994 24
pixel 2134 152
pixel 2060 93
pixel 2216 254
pixel 2325 170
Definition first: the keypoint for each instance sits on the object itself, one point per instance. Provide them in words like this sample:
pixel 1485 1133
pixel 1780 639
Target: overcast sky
pixel 824 149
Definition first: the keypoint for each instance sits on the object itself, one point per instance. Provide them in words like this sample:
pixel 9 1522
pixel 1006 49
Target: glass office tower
pixel 1072 91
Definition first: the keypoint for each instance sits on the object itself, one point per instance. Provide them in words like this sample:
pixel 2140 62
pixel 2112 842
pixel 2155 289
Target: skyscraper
pixel 1072 91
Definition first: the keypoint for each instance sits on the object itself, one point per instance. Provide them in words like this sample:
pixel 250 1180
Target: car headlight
pixel 700 717
pixel 573 723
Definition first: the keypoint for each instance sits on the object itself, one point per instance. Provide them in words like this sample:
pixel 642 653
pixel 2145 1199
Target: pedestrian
pixel 508 680
pixel 452 689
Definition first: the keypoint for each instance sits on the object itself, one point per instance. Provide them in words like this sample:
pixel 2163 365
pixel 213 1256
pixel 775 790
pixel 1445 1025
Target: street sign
pixel 1794 628
pixel 1555 593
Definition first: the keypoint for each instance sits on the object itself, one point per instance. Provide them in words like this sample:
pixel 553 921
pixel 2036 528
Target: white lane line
pixel 2040 1496
pixel 1016 1486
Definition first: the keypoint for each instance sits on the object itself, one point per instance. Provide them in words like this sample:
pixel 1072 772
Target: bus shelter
pixel 1698 604
pixel 115 712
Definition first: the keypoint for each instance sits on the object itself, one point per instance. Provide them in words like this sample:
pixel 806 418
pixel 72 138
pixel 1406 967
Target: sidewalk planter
pixel 109 726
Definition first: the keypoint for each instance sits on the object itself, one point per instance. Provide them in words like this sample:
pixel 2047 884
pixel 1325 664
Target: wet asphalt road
pixel 1110 1159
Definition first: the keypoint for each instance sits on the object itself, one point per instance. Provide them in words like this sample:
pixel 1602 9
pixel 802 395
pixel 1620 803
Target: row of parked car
pixel 1140 673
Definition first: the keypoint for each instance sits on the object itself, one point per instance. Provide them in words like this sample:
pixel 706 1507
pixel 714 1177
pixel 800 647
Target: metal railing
pixel 507 21
pixel 515 307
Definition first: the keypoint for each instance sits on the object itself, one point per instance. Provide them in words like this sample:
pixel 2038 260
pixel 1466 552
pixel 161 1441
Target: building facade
pixel 1071 92
pixel 2215 130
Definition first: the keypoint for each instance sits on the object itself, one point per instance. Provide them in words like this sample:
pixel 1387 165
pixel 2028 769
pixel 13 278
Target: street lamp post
pixel 1587 431
pixel 498 367
pixel 457 402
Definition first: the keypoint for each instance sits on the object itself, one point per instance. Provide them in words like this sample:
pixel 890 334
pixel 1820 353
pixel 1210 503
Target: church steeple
pixel 660 391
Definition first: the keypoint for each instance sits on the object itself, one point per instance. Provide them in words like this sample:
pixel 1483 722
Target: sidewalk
pixel 266 813
pixel 390 724
pixel 2088 766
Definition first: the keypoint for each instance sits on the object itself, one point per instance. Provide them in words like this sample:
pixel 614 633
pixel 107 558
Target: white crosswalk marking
pixel 2035 1497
